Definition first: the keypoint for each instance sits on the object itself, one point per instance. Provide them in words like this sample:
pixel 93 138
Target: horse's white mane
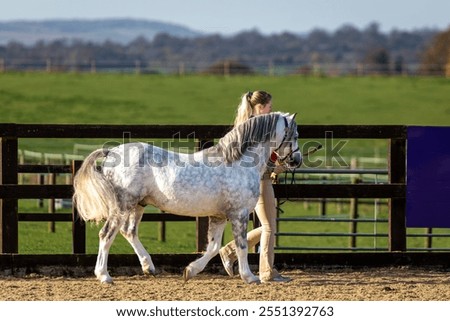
pixel 258 129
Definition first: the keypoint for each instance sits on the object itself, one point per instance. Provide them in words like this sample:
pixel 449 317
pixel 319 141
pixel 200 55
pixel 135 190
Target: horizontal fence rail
pixel 393 190
pixel 10 191
pixel 226 68
pixel 187 131
pixel 282 191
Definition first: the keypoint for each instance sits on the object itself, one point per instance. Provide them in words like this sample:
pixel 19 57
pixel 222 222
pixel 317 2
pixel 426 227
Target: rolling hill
pixel 117 30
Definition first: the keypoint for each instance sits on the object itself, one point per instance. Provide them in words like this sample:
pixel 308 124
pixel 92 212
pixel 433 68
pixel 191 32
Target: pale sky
pixel 231 16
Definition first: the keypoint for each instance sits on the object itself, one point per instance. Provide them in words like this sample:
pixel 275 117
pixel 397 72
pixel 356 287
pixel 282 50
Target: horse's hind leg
pixel 239 228
pixel 129 230
pixel 106 237
pixel 215 232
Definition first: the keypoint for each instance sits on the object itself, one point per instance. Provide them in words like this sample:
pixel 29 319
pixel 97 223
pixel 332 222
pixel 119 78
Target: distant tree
pixel 436 57
pixel 318 40
pixel 348 37
pixel 378 60
pixel 288 51
pixel 138 47
pixel 373 31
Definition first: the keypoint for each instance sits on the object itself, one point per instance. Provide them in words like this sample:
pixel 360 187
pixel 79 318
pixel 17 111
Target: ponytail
pixel 245 109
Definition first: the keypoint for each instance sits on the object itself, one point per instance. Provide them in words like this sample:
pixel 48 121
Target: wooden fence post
pixel 181 68
pixel 397 206
pixel 162 231
pixel 226 68
pixel 271 68
pixel 354 214
pixel 78 225
pixel 93 67
pixel 137 67
pixel 48 65
pixel 9 224
pixel 51 180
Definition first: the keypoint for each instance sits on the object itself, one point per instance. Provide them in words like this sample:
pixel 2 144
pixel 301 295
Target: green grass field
pixel 155 99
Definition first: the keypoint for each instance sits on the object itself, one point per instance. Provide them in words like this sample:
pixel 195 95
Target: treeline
pixel 346 45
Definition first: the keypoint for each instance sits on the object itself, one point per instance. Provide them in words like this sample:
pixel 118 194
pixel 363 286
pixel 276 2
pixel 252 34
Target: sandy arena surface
pixel 374 284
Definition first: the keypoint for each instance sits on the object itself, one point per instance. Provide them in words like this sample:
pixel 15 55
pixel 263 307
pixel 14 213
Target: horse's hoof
pixel 187 274
pixel 150 272
pixel 253 280
pixel 107 281
pixel 104 278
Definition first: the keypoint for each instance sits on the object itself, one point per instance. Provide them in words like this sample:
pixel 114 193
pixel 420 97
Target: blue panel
pixel 428 177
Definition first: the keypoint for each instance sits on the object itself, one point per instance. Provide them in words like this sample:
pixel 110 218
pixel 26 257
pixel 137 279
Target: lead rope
pixel 291 172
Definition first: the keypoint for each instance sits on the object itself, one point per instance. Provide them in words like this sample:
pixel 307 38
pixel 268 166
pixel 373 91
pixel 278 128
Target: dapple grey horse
pixel 221 182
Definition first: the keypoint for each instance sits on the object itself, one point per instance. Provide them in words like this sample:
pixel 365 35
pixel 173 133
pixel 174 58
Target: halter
pixel 288 132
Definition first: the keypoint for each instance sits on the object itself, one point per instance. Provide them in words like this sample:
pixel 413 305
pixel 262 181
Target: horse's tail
pixel 94 195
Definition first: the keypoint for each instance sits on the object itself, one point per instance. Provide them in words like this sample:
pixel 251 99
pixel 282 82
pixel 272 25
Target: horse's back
pixel 183 184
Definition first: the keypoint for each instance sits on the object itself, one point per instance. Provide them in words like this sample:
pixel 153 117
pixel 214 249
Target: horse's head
pixel 287 148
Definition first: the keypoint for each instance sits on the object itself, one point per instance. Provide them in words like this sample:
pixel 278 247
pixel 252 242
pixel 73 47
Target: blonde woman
pixel 257 103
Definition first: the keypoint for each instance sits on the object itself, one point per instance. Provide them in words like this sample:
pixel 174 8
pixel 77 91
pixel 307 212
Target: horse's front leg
pixel 106 238
pixel 239 228
pixel 215 232
pixel 129 231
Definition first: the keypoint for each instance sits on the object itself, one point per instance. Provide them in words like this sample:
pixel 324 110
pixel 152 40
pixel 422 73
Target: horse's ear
pixel 292 116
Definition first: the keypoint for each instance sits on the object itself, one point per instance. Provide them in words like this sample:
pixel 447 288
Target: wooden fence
pixel 11 191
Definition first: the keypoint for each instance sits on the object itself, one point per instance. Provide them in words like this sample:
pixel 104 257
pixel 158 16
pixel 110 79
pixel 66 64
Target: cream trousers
pixel 265 234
